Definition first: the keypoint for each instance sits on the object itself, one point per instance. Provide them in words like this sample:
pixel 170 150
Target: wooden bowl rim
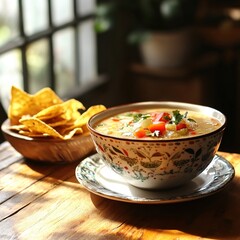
pixel 16 135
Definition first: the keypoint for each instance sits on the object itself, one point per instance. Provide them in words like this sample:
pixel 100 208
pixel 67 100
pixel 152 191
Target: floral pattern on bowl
pixel 165 164
pixel 158 163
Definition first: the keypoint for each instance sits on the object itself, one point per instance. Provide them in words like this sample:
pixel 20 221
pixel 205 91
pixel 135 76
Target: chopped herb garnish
pixel 177 117
pixel 191 120
pixel 166 118
pixel 140 116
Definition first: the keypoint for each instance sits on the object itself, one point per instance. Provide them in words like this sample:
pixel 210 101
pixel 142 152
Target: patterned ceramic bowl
pixel 158 163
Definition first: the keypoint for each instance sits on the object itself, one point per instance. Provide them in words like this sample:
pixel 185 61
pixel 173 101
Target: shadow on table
pixel 58 171
pixel 211 217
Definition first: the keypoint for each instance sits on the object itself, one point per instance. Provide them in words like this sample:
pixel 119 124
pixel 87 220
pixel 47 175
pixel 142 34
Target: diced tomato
pixel 166 117
pixel 157 127
pixel 140 133
pixel 192 132
pixel 115 119
pixel 163 117
pixel 181 126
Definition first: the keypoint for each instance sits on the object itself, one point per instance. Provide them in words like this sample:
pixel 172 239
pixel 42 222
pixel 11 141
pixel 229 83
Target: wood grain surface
pixel 45 201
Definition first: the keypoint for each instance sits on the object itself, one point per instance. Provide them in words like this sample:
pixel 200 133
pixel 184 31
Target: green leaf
pixel 198 153
pixel 139 116
pixel 177 117
pixel 102 25
pixel 117 150
pixel 189 150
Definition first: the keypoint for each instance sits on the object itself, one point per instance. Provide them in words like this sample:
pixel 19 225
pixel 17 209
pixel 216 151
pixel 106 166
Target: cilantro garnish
pixel 140 116
pixel 191 120
pixel 166 118
pixel 178 117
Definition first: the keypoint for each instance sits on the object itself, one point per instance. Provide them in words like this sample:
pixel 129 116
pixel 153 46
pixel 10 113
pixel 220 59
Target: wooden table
pixel 45 201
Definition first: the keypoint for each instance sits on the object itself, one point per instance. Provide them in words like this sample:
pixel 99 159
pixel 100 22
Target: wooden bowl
pixel 49 149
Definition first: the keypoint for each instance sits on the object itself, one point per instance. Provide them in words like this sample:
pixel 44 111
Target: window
pixel 47 43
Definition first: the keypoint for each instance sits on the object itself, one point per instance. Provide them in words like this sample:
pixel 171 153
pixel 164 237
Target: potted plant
pixel 162 28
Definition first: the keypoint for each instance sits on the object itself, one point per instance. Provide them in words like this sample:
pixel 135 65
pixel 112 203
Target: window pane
pixel 62 11
pixel 10 74
pixel 38 67
pixel 86 6
pixel 35 15
pixel 64 61
pixel 87 52
pixel 8 20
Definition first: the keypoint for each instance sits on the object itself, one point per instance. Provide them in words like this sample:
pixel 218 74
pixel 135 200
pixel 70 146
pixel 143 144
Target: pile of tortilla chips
pixel 44 114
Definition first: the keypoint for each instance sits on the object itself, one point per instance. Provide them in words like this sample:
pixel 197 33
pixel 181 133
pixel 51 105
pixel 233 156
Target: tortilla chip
pixel 83 119
pixel 46 97
pixel 22 103
pixel 73 132
pixel 44 114
pixel 38 126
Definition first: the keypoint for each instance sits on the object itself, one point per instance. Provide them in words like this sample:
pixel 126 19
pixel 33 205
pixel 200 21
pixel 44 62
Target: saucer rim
pixel 97 188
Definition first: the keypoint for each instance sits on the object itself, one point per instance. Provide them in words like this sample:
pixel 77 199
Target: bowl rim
pixel 9 132
pixel 122 107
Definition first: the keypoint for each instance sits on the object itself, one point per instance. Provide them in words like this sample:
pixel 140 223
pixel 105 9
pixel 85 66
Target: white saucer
pixel 99 179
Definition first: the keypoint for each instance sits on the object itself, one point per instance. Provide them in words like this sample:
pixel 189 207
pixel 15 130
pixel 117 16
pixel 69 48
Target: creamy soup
pixel 157 124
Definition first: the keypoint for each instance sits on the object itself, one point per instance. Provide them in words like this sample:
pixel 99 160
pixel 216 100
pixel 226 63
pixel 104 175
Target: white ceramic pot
pixel 168 49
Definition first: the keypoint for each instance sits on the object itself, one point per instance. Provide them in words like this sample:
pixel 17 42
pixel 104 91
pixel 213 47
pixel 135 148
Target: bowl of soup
pixel 157 145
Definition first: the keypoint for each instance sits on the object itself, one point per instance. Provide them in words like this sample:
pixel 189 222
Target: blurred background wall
pixel 97 52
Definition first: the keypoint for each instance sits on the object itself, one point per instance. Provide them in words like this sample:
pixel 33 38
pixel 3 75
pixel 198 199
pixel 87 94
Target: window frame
pixel 23 41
